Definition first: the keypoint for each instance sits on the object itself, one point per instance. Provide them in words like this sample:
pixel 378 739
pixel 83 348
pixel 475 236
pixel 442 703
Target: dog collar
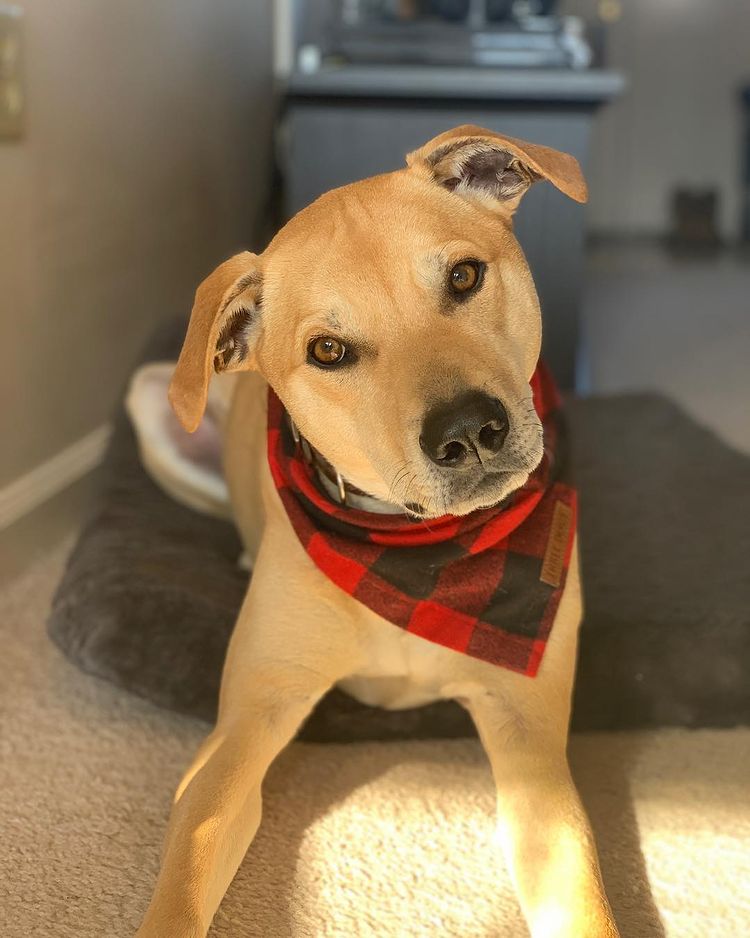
pixel 334 483
pixel 487 584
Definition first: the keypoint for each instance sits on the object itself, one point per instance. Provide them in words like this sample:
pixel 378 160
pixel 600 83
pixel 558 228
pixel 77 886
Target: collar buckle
pixel 341 486
pixel 308 454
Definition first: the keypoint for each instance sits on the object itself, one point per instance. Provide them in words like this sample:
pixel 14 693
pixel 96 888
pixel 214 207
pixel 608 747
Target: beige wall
pixel 679 122
pixel 144 163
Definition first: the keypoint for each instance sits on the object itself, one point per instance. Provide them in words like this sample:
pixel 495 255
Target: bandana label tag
pixel 557 545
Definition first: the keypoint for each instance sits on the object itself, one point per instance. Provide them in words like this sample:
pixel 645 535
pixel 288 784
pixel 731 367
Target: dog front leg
pixel 217 807
pixel 292 642
pixel 543 829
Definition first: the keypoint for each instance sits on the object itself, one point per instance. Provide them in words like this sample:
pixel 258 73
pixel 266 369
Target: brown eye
pixel 465 276
pixel 326 351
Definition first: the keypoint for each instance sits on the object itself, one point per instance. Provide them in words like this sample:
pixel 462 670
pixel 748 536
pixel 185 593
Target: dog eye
pixel 465 277
pixel 326 351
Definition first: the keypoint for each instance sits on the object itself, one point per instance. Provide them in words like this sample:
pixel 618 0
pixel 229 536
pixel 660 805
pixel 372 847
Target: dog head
pixel 397 320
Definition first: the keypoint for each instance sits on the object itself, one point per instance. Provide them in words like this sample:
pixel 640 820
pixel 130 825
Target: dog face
pixel 427 313
pixel 397 320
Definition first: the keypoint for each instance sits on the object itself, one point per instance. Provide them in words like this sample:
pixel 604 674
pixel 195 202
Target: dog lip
pixel 488 479
pixel 483 490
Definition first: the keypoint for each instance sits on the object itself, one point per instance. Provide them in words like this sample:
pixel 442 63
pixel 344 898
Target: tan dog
pixel 371 305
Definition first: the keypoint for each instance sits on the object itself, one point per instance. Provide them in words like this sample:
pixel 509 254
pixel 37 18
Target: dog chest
pixel 401 670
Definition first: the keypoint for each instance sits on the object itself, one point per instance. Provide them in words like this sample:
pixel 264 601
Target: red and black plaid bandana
pixel 487 584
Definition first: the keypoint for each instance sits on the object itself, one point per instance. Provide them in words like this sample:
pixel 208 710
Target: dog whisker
pixel 398 477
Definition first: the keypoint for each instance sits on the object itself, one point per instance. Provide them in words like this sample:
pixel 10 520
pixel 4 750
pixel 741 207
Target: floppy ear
pixel 220 336
pixel 477 162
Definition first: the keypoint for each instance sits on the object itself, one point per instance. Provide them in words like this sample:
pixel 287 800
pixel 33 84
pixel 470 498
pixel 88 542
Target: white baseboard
pixel 51 477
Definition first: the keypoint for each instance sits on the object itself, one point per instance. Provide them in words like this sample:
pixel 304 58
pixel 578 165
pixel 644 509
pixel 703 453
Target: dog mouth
pixel 490 490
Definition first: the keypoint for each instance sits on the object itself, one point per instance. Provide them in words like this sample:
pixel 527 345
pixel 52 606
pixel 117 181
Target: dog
pixel 386 347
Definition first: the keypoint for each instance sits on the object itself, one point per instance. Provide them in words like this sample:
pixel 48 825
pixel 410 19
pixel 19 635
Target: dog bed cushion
pixel 152 589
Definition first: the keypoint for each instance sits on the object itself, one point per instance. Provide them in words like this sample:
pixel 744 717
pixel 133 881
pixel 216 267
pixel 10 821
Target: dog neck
pixel 342 491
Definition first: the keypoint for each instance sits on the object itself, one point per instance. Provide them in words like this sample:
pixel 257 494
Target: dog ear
pixel 475 162
pixel 220 336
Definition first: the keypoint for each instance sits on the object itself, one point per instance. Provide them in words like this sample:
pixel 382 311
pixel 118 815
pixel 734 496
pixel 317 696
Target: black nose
pixel 467 430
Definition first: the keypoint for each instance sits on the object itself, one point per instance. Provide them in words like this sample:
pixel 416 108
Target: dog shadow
pixel 261 898
pixel 603 782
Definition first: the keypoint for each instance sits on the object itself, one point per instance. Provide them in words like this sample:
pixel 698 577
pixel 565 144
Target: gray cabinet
pixel 344 124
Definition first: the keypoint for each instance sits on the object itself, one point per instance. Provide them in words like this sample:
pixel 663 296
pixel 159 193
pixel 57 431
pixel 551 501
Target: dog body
pixel 397 320
pixel 397 669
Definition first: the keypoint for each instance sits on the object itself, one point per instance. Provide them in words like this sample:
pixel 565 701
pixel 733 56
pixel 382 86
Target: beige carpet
pixel 371 840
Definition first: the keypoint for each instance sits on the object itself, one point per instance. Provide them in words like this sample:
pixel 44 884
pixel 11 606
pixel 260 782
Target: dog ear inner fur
pixel 474 161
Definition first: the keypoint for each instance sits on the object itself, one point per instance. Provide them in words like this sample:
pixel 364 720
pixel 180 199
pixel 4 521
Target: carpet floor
pixel 377 839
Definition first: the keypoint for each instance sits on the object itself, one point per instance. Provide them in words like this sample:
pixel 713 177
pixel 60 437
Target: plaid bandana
pixel 487 584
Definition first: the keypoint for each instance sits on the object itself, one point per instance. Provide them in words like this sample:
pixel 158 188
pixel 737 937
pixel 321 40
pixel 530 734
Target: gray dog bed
pixel 152 589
